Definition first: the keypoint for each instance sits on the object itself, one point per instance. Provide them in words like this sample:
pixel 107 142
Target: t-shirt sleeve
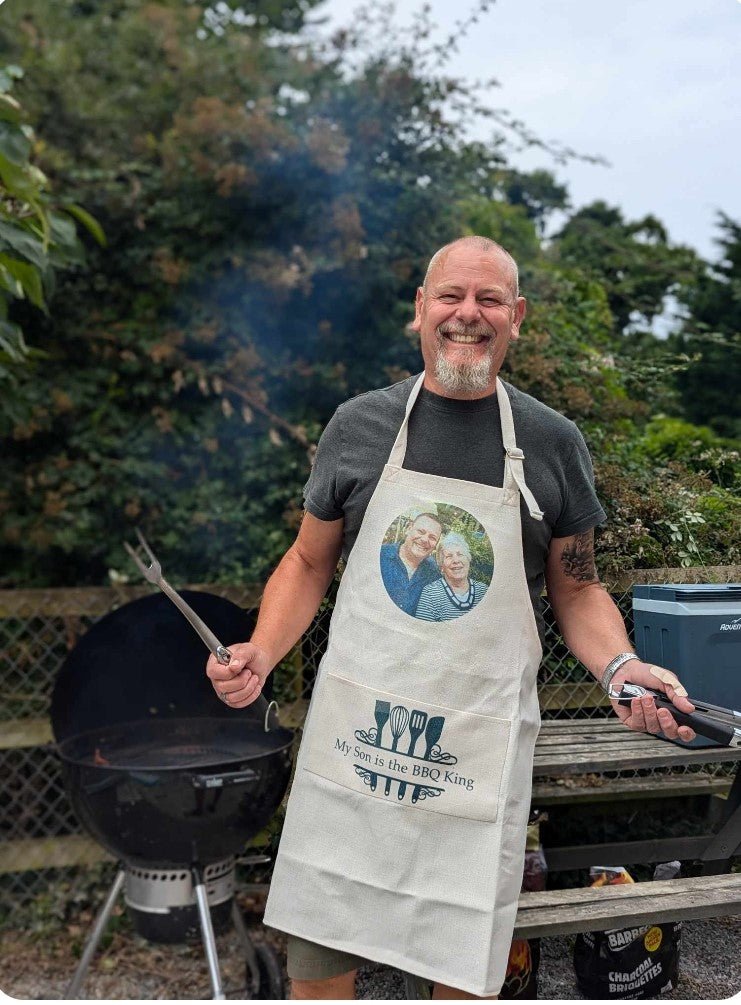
pixel 320 492
pixel 581 510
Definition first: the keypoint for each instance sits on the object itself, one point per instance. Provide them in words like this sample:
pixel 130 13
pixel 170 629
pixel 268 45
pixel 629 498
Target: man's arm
pixel 593 629
pixel 291 599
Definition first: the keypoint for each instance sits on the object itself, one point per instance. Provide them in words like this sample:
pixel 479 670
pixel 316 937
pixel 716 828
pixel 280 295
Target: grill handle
pixel 712 728
pixel 220 779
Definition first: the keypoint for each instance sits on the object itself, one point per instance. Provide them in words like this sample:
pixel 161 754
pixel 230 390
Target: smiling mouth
pixel 465 339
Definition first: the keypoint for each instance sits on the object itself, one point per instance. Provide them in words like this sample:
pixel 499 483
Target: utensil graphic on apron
pixel 404 836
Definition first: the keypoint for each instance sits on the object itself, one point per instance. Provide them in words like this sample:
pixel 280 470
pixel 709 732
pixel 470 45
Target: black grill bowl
pixel 159 770
pixel 163 792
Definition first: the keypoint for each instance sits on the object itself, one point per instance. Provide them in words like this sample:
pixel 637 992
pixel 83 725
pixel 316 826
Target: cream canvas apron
pixel 405 829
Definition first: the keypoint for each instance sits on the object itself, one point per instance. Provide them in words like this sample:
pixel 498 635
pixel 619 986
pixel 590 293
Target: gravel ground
pixel 34 966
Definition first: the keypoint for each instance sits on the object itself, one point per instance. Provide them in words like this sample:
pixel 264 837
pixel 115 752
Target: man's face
pixel 455 563
pixel 422 537
pixel 466 320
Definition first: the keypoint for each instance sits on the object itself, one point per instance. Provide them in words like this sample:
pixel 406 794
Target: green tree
pixel 635 261
pixel 711 336
pixel 269 208
pixel 537 192
pixel 37 238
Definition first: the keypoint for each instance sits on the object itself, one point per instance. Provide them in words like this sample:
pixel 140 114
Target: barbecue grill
pixel 166 777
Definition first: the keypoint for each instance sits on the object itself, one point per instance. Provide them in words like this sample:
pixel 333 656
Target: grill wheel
pixel 272 984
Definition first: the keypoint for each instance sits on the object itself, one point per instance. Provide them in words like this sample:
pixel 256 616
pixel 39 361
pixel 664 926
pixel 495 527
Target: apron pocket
pixel 405 752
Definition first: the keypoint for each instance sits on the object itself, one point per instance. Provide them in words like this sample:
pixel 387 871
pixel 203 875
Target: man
pixel 408 567
pixel 454 593
pixel 429 881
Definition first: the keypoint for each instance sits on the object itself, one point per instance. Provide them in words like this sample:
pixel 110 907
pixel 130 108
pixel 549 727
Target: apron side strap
pixel 399 449
pixel 514 463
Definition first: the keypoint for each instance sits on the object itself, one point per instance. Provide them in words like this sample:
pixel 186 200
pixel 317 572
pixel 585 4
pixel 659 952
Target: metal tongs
pixel 713 721
pixel 153 574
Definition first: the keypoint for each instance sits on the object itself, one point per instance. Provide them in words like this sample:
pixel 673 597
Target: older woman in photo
pixel 455 592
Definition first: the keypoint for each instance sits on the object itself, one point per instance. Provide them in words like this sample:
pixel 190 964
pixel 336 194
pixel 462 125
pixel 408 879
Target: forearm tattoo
pixel 577 558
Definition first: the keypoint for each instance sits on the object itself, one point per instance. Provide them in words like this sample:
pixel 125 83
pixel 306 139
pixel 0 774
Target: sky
pixel 650 85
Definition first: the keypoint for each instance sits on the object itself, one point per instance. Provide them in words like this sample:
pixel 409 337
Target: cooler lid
pixel 690 593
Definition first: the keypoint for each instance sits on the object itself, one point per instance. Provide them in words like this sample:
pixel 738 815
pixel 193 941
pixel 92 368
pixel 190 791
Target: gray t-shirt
pixel 457 439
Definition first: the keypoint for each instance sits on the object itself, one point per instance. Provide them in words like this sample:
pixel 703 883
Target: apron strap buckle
pixel 515 457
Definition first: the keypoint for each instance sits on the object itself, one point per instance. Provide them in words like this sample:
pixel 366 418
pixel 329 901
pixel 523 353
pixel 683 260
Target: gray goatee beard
pixel 472 372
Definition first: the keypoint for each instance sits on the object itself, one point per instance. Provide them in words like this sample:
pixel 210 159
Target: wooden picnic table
pixel 588 747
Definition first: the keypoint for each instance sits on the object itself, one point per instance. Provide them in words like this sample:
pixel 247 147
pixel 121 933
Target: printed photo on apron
pixel 436 561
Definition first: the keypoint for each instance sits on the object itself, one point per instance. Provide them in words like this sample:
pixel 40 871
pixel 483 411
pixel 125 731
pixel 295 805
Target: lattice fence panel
pixel 40 840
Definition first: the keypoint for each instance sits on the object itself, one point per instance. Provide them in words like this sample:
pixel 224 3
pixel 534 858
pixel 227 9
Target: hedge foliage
pixel 270 197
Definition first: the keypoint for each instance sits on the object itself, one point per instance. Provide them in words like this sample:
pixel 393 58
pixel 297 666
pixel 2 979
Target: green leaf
pixel 9 285
pixel 17 179
pixel 63 231
pixel 88 221
pixel 12 343
pixel 14 146
pixel 22 242
pixel 29 278
pixel 10 110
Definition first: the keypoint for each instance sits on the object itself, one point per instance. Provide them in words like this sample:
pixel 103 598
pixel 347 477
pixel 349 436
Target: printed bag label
pixel 416 754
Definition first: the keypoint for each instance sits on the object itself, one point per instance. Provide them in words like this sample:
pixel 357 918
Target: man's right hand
pixel 240 682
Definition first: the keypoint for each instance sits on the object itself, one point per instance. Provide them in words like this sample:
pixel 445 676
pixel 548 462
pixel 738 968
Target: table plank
pixel 586 791
pixel 580 746
pixel 561 912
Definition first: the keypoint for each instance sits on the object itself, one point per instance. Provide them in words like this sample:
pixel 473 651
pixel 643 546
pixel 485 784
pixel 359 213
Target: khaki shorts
pixel 308 961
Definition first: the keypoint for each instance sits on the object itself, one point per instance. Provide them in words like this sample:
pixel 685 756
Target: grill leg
pixel 244 937
pixel 73 988
pixel 207 934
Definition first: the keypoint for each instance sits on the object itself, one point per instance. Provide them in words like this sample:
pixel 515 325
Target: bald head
pixel 474 243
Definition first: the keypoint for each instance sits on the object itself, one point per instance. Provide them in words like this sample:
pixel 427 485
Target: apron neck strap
pixel 514 472
pixel 399 449
pixel 514 469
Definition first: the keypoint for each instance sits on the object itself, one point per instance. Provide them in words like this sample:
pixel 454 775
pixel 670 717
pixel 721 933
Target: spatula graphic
pixel 432 735
pixel 416 727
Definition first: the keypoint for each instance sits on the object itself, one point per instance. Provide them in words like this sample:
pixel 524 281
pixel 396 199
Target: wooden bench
pixel 562 912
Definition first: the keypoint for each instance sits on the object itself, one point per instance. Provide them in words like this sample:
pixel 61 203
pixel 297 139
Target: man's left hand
pixel 643 716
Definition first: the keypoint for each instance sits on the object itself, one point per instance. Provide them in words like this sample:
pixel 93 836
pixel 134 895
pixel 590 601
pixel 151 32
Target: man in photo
pixel 408 567
pixel 454 593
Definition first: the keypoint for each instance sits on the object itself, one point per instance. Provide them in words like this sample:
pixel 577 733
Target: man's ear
pixel 519 317
pixel 416 325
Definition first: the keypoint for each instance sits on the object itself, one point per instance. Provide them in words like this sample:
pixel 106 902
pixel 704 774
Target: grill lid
pixel 144 659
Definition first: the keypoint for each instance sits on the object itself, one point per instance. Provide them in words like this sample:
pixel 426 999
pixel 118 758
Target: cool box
pixel 694 630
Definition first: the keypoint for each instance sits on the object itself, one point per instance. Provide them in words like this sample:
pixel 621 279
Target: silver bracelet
pixel 612 668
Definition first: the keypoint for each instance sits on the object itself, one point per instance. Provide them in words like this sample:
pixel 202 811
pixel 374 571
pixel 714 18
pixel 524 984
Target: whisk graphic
pixel 398 721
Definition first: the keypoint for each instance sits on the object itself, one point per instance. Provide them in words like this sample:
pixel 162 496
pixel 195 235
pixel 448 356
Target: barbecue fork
pixel 153 574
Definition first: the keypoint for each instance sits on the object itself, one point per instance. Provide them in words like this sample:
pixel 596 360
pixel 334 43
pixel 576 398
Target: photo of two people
pixel 436 561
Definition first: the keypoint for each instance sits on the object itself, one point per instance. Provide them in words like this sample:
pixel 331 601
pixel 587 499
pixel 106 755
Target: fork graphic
pixel 417 723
